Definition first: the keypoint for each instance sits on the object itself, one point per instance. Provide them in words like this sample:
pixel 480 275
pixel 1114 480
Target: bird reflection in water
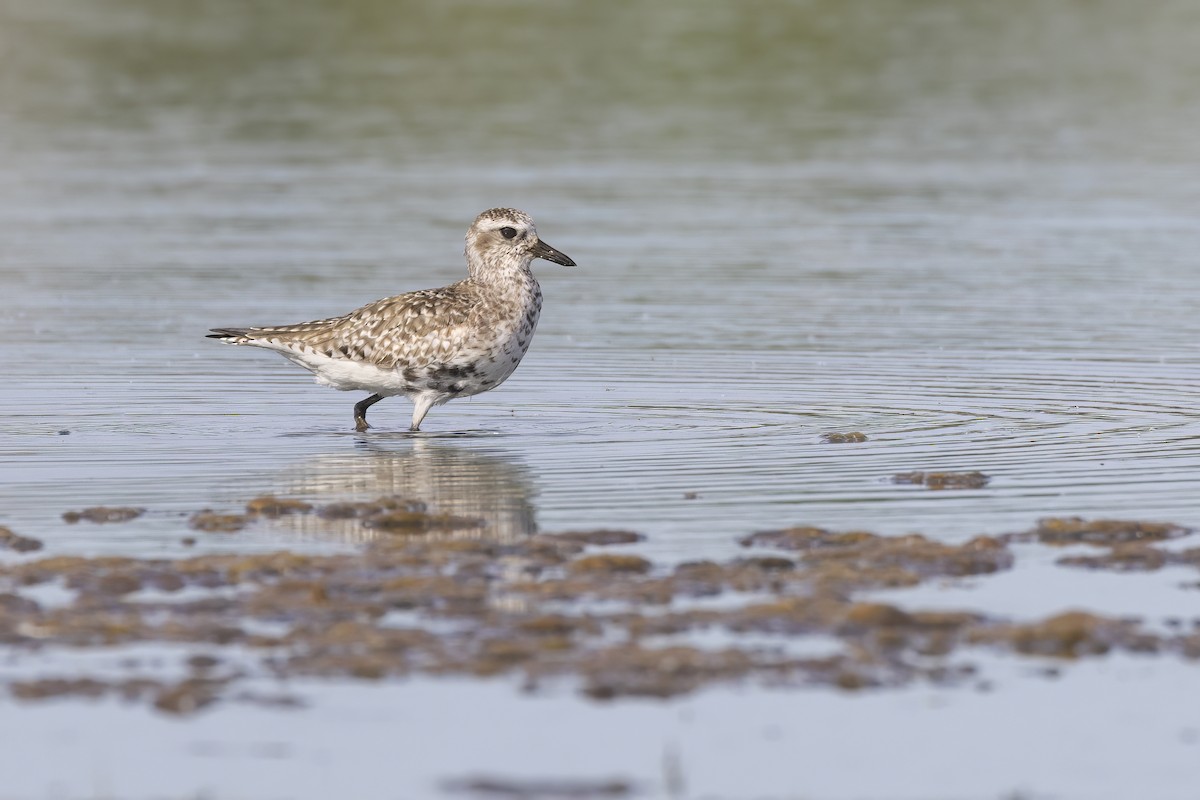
pixel 492 488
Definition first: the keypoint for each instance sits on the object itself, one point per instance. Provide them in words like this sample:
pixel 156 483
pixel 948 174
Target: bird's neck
pixel 503 272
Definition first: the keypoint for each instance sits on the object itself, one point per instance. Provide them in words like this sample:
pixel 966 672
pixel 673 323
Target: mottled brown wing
pixel 414 329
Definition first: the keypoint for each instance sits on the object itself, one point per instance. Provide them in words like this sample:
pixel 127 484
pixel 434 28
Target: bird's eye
pixel 507 232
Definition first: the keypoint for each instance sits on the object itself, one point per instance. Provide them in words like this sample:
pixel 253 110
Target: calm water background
pixel 966 229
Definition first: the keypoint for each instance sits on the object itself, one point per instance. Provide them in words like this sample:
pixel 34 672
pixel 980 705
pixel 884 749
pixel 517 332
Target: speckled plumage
pixel 432 345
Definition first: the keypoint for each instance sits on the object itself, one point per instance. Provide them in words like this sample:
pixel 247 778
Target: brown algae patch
pixel 1127 545
pixel 630 670
pixel 543 608
pixel 363 509
pixel 596 537
pixel 609 565
pixel 271 506
pixel 419 522
pixel 1072 634
pixel 180 698
pixel 1132 557
pixel 806 537
pixel 1107 532
pixel 943 480
pixel 211 522
pixel 843 438
pixel 14 541
pixel 384 515
pixel 103 514
pixel 861 560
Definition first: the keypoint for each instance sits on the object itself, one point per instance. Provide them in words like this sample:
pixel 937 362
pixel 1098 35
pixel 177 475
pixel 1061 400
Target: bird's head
pixel 506 236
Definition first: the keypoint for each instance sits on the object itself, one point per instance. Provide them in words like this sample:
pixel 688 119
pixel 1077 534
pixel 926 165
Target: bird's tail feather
pixel 231 335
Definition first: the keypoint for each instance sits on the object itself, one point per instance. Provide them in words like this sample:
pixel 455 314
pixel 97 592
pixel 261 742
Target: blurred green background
pixel 527 81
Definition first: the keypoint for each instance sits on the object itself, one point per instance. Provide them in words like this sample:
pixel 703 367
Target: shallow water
pixel 726 743
pixel 966 230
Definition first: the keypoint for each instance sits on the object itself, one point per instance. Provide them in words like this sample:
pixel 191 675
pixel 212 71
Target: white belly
pixel 348 375
pixel 468 373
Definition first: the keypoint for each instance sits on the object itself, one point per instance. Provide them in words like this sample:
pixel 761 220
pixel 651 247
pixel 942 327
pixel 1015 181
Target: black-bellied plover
pixel 433 345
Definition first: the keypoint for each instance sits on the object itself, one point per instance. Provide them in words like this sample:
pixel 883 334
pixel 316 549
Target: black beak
pixel 543 250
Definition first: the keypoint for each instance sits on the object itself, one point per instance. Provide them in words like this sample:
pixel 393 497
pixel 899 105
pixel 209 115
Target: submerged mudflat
pixel 435 594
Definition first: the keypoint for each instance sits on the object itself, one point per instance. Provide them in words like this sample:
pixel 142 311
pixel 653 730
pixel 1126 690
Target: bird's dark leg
pixel 360 412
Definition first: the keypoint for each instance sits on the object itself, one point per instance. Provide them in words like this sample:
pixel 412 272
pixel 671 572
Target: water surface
pixel 967 230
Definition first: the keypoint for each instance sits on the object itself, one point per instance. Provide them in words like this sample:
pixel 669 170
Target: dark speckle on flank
pixel 439 374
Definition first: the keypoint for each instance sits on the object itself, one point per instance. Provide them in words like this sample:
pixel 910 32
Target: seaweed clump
pixel 543 607
pixel 14 541
pixel 944 480
pixel 854 437
pixel 1105 532
pixel 859 559
pixel 103 514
